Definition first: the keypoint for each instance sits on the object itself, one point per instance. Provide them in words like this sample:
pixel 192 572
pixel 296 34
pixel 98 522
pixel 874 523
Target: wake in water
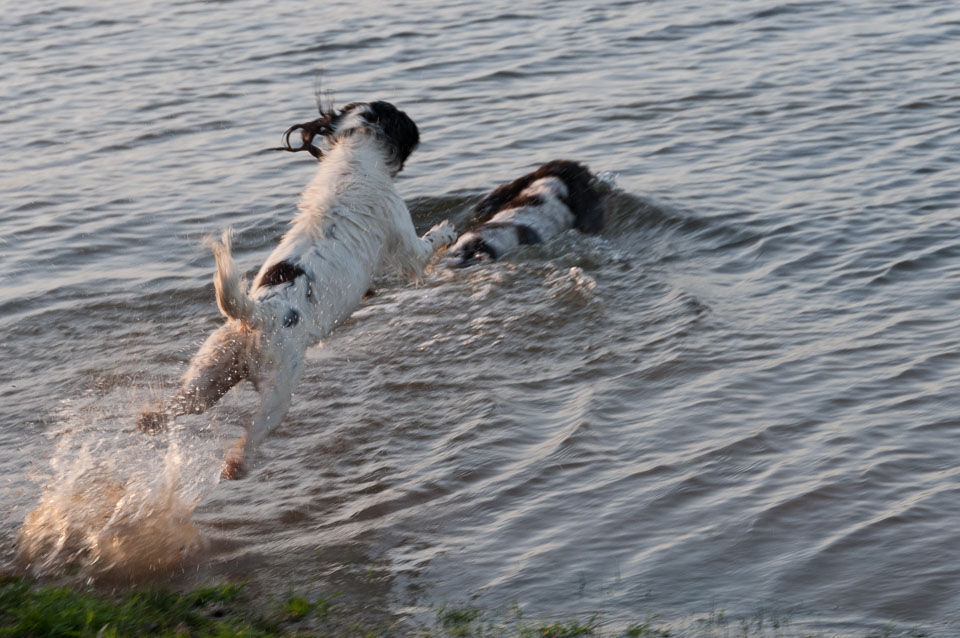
pixel 116 504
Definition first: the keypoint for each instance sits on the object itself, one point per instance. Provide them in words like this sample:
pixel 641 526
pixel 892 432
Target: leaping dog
pixel 556 197
pixel 352 224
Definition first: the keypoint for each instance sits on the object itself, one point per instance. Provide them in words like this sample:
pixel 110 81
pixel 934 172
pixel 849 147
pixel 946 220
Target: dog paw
pixel 444 232
pixel 151 422
pixel 234 468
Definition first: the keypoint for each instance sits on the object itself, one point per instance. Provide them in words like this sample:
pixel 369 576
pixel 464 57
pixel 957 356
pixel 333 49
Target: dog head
pixel 394 128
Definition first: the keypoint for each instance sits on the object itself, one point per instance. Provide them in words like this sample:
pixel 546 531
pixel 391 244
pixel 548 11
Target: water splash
pixel 605 181
pixel 573 286
pixel 116 504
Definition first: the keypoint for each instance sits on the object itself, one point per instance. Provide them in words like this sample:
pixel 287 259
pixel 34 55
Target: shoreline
pixel 31 608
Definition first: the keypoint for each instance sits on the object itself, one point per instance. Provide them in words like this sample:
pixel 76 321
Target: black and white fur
pixel 352 224
pixel 556 197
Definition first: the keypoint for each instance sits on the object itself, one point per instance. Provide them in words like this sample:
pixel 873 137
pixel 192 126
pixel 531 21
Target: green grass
pixel 569 629
pixel 647 630
pixel 224 611
pixel 28 609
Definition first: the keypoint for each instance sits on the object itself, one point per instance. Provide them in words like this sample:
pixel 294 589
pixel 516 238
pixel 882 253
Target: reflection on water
pixel 741 394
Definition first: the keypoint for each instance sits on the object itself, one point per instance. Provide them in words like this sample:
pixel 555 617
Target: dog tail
pixel 232 295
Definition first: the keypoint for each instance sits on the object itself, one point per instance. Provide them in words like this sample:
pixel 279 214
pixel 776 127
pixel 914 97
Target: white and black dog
pixel 556 197
pixel 352 224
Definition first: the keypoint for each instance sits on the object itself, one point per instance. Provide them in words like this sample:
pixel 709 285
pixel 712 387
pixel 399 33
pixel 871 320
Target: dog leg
pixel 276 393
pixel 272 410
pixel 218 366
pixel 443 234
pixel 412 253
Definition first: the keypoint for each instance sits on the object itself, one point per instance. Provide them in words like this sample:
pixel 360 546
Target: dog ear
pixel 583 199
pixel 323 125
pixel 308 130
pixel 323 97
pixel 590 212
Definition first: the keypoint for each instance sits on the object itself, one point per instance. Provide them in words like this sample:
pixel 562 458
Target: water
pixel 117 506
pixel 741 396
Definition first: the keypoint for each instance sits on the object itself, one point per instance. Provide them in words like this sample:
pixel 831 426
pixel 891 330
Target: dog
pixel 352 224
pixel 558 196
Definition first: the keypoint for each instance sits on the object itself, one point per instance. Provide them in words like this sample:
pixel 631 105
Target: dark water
pixel 742 396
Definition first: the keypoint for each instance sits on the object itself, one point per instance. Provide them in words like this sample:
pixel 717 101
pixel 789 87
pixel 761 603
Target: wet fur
pixel 352 224
pixel 556 197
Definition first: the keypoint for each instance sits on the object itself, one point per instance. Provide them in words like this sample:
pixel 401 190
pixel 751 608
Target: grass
pixel 569 629
pixel 28 609
pixel 224 611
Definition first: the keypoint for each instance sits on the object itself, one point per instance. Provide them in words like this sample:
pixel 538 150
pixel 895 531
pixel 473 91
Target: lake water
pixel 743 395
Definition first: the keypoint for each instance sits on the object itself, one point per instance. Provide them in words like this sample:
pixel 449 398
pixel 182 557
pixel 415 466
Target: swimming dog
pixel 556 197
pixel 352 224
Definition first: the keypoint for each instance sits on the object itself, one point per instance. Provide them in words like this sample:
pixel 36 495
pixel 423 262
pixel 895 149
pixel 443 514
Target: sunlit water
pixel 741 396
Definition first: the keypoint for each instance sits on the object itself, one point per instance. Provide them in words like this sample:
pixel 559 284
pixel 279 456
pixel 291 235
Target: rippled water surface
pixel 741 396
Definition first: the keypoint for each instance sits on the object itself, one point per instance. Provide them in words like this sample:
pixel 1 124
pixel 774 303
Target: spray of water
pixel 116 503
